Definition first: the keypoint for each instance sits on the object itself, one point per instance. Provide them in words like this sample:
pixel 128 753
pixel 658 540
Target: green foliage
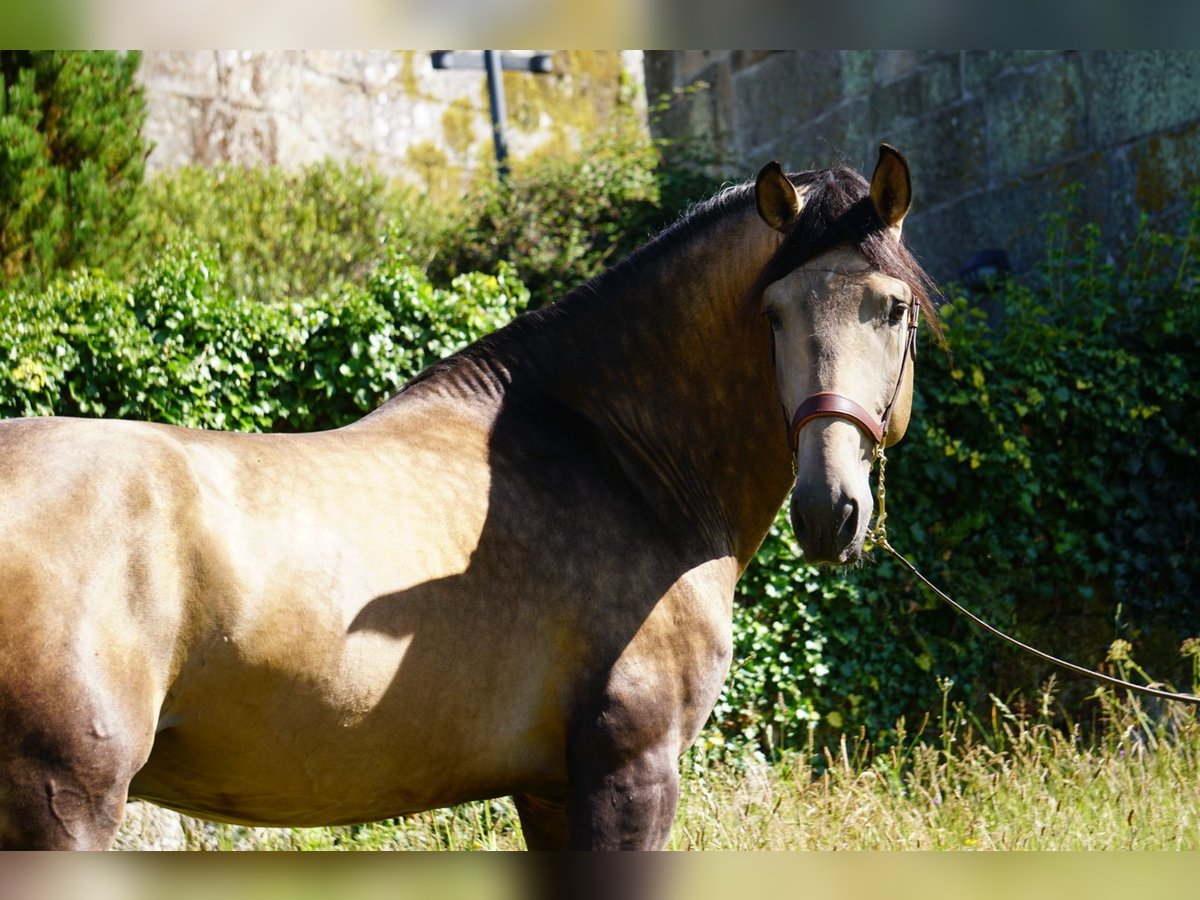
pixel 71 161
pixel 1049 480
pixel 178 346
pixel 280 234
pixel 559 219
pixel 569 217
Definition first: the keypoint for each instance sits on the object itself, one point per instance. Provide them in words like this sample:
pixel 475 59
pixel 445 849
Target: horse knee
pixel 63 790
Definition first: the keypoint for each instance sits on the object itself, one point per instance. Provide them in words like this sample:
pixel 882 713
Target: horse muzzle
pixel 831 503
pixel 830 523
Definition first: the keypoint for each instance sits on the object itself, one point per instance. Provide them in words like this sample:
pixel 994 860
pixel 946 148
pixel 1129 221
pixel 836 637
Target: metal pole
pixel 491 61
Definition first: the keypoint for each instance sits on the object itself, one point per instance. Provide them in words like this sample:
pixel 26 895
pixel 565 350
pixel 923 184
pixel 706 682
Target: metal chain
pixel 877 532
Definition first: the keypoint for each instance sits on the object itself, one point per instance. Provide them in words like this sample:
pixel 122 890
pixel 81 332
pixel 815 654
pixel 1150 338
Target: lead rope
pixel 877 535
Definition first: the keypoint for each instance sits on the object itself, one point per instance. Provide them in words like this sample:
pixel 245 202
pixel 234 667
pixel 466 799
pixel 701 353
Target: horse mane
pixel 836 210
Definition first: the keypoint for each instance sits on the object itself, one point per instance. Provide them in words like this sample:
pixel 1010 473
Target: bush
pixel 178 346
pixel 559 220
pixel 279 234
pixel 71 161
pixel 566 219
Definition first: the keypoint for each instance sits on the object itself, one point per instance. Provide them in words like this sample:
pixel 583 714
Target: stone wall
pixel 387 109
pixel 992 136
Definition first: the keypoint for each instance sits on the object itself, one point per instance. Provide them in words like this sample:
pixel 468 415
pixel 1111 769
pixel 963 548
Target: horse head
pixel 842 296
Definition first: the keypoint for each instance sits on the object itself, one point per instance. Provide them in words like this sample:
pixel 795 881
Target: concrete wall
pixel 387 109
pixel 992 136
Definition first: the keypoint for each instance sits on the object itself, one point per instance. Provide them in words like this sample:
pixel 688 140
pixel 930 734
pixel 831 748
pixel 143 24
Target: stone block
pixel 837 138
pixel 1035 119
pixel 858 72
pixel 979 67
pixel 947 152
pixel 782 92
pixel 890 64
pixel 1163 169
pixel 332 117
pixel 1010 216
pixel 170 132
pixel 183 73
pixel 919 92
pixel 1133 93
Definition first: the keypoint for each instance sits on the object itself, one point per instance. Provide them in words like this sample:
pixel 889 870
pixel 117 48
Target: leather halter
pixel 828 404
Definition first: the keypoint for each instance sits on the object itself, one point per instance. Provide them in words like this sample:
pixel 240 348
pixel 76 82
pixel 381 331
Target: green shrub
pixel 566 219
pixel 559 220
pixel 178 346
pixel 280 234
pixel 1050 481
pixel 71 161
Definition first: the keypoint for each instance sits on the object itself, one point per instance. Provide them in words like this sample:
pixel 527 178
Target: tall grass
pixel 1018 782
pixel 1018 779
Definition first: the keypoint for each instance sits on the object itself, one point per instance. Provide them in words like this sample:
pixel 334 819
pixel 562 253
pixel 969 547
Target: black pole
pixel 491 61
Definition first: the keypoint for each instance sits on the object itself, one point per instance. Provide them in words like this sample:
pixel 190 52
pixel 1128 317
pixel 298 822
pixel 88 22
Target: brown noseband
pixel 827 404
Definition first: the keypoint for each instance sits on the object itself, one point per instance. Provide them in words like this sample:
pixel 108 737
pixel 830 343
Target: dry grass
pixel 1015 782
pixel 1028 786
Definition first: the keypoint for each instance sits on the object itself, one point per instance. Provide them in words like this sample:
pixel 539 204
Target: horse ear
pixel 891 187
pixel 776 197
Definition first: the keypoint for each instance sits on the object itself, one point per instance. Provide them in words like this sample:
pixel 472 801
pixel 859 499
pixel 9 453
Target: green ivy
pixel 1050 480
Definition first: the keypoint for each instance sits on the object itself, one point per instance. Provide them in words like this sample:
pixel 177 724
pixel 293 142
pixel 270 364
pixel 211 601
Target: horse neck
pixel 676 373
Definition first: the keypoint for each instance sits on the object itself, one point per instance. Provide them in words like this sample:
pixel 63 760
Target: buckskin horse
pixel 515 577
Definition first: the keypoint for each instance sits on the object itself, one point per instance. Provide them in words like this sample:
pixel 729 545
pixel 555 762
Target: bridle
pixel 828 404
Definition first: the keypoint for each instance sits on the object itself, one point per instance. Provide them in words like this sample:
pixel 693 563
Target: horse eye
pixel 774 320
pixel 898 311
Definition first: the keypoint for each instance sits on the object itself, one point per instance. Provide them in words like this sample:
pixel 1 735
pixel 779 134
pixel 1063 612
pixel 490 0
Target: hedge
pixel 176 345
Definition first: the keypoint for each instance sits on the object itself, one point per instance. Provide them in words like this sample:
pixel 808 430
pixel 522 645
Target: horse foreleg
pixel 620 802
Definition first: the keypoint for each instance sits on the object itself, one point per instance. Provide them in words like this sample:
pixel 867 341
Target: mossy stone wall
pixel 992 136
pixel 387 109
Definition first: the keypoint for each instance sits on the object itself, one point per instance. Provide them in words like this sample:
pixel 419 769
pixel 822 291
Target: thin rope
pixel 877 534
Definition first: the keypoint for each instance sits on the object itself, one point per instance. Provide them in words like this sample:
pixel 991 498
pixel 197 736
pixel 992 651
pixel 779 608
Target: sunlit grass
pixel 1024 786
pixel 1012 782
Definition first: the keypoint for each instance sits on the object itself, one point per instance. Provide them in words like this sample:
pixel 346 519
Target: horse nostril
pixel 827 532
pixel 799 526
pixel 848 530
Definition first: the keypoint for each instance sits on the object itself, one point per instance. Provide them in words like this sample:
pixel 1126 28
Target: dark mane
pixel 697 220
pixel 836 210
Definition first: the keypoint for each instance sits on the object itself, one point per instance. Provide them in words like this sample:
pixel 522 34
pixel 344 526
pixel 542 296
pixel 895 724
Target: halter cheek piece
pixel 827 404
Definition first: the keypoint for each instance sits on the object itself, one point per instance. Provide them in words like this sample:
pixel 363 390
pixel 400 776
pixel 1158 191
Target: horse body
pixel 515 577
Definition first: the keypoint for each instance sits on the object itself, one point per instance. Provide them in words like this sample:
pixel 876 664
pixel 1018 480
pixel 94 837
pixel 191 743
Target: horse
pixel 513 578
